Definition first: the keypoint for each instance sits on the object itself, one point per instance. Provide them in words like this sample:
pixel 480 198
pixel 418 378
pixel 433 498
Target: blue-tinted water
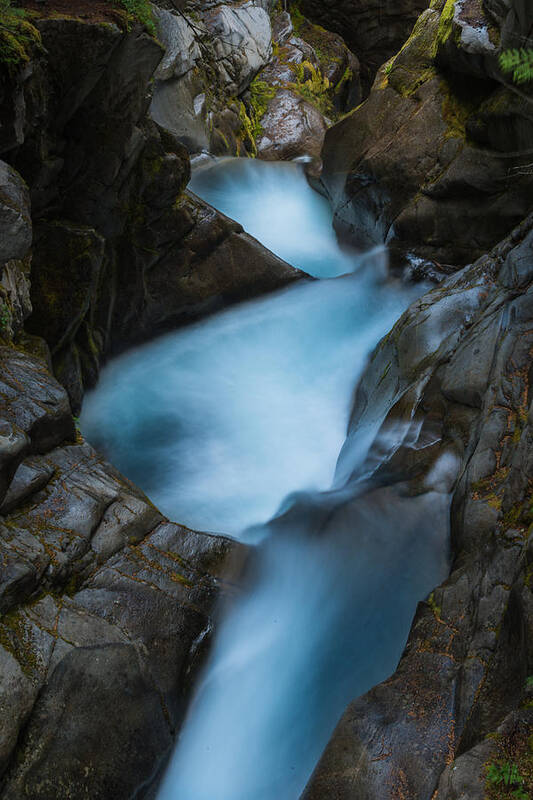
pixel 219 423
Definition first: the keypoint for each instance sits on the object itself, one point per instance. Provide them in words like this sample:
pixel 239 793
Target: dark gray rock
pixel 72 745
pixel 103 604
pixel 459 359
pixel 373 32
pixel 434 162
pixel 15 215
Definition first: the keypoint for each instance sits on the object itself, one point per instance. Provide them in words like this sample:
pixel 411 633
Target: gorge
pixel 353 626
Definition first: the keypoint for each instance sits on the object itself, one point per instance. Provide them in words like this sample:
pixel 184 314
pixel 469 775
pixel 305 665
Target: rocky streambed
pixel 105 603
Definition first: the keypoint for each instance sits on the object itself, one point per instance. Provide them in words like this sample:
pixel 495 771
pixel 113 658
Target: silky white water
pixel 227 421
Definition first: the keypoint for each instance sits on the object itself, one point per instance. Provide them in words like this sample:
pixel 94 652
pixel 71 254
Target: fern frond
pixel 519 63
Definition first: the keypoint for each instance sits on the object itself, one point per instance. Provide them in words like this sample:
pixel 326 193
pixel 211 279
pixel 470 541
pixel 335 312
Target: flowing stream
pixel 235 425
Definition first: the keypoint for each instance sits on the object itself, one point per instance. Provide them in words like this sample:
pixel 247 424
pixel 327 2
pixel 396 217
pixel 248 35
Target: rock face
pixel 120 251
pixel 436 161
pixel 103 606
pixel 454 377
pixel 213 54
pixel 310 79
pixel 226 63
pixel 373 30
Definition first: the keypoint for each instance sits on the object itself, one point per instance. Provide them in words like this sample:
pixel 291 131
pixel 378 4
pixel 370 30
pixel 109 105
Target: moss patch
pixel 445 28
pixel 139 11
pixel 18 37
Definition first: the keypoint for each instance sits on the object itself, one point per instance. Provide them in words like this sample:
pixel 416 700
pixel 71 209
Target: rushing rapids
pixel 240 419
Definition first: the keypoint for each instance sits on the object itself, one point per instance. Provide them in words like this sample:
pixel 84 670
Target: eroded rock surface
pixel 437 160
pixel 104 605
pixel 120 251
pixel 372 30
pixel 453 378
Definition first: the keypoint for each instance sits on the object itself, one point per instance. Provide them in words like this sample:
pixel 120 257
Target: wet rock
pixel 102 602
pixel 466 370
pixel 291 127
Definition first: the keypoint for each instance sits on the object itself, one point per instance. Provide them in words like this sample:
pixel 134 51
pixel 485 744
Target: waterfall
pixel 234 425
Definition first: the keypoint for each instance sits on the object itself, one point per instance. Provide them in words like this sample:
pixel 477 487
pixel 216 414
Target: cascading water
pixel 223 420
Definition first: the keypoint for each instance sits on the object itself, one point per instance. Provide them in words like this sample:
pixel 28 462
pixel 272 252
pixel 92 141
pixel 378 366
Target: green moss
pixel 139 11
pixel 260 96
pixel 494 501
pixel 16 639
pixel 18 37
pixel 513 517
pixel 437 610
pixel 455 113
pixel 248 130
pixel 313 87
pixel 413 65
pixel 445 28
pixel 346 78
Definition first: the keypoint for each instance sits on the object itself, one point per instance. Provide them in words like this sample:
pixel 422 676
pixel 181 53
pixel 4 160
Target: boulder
pixel 291 127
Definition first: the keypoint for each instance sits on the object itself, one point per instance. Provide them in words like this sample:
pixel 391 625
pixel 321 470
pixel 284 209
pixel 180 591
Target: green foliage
pixel 506 775
pixel 17 36
pixel 139 10
pixel 298 19
pixel 518 63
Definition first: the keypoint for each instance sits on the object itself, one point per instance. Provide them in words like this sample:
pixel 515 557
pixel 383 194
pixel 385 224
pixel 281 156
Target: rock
pixel 282 27
pixel 459 357
pixel 212 57
pixel 81 750
pixel 102 602
pixel 433 163
pixel 15 294
pixel 291 127
pixel 65 272
pixel 241 38
pixel 217 263
pixel 107 188
pixel 15 215
pixel 312 77
pixel 374 34
pixel 468 40
pixel 42 410
pixel 176 33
